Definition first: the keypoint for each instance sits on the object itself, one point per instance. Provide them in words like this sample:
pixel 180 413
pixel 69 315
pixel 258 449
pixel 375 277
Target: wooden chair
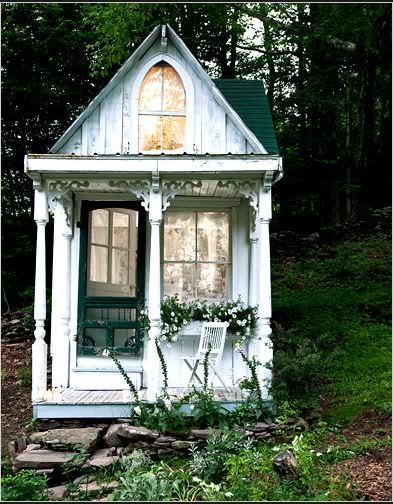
pixel 213 335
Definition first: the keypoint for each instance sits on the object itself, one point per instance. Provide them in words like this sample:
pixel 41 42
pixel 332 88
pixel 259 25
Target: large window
pixel 197 255
pixel 162 110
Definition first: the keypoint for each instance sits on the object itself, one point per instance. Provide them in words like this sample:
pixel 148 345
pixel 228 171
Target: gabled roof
pixel 249 100
pixel 250 130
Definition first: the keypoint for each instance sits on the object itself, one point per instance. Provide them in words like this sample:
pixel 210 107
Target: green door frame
pixel 106 302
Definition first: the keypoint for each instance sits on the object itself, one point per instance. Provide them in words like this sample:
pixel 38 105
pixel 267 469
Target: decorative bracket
pixel 141 189
pixel 37 181
pixel 267 181
pixel 171 188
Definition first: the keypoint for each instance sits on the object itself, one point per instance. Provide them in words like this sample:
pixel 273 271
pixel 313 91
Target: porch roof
pixel 194 165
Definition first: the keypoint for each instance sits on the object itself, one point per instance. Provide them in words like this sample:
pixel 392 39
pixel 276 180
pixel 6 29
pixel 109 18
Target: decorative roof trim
pixel 163 34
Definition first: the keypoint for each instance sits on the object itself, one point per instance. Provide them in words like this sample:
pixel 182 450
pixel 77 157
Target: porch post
pixel 61 350
pixel 39 348
pixel 261 346
pixel 253 268
pixel 151 360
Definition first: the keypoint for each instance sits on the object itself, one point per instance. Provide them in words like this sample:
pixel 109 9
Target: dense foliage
pixel 327 73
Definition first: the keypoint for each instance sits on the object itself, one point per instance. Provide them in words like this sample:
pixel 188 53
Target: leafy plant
pixel 209 463
pixel 205 411
pixel 26 485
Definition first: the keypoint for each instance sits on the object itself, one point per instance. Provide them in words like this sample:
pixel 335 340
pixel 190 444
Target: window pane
pixel 99 226
pixel 124 337
pixel 174 97
pixel 212 282
pixel 179 279
pixel 120 230
pixel 150 133
pixel 213 236
pixel 104 313
pixel 119 267
pixel 179 241
pixel 151 90
pixel 173 133
pixel 98 264
pixel 94 337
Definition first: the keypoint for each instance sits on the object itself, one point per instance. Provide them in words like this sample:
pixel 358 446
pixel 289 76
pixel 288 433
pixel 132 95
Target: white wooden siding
pixel 112 126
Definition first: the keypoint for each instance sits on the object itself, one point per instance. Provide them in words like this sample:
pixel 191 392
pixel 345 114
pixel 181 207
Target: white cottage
pixel 161 186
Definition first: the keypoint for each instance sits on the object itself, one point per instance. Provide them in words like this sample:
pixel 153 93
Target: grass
pixel 332 335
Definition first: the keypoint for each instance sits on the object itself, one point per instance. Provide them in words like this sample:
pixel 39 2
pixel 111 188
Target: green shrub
pixel 26 485
pixel 209 463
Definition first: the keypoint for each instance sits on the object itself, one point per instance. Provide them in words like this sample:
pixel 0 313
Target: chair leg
pixel 219 377
pixel 194 369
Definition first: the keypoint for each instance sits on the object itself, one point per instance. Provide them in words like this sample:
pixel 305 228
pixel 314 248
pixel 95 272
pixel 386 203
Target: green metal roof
pixel 248 99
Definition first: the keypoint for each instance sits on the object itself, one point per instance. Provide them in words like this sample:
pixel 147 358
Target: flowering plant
pixel 175 315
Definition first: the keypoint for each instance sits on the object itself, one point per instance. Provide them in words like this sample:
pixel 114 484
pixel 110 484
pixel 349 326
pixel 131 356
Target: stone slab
pixel 41 459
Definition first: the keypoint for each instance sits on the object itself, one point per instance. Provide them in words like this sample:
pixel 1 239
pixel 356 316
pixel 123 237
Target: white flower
pixel 174 339
pixel 172 314
pixel 106 353
pixel 243 338
pixel 164 338
pixel 163 331
pixel 195 479
pixel 238 322
pixel 276 448
pixel 137 410
pixel 228 494
pixel 319 454
pixel 234 315
pixel 192 406
pixel 168 403
pixel 142 312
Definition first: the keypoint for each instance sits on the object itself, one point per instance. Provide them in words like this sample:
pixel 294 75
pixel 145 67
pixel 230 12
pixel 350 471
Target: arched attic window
pixel 162 110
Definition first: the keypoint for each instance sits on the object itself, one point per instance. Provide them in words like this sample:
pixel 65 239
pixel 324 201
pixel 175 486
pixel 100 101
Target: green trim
pixel 85 302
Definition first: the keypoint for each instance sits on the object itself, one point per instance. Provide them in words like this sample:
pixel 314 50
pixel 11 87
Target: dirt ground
pixel 16 410
pixel 371 472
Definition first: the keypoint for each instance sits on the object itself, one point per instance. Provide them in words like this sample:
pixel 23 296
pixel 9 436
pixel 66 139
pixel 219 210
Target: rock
pixel 164 440
pixel 103 461
pixel 95 487
pixel 136 445
pixel 41 459
pixel 84 438
pixel 285 464
pixel 17 446
pixel 33 446
pixel 84 479
pixel 183 445
pixel 102 452
pixel 57 492
pixel 262 435
pixel 203 433
pixel 165 451
pixel 260 426
pixel 137 433
pixel 273 427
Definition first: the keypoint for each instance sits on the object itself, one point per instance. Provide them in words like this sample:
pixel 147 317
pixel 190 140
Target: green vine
pixel 163 366
pixel 131 386
pixel 252 365
pixel 206 369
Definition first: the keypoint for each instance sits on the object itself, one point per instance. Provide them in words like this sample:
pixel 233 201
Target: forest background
pixel 327 75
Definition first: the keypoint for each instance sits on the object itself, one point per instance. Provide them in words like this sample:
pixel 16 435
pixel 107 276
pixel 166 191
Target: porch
pixel 71 403
pixel 237 186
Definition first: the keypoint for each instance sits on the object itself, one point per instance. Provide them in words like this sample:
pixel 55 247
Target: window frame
pixel 190 143
pixel 231 245
pixel 162 113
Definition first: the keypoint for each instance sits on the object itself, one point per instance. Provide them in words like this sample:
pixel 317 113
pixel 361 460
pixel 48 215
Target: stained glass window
pixel 162 110
pixel 197 255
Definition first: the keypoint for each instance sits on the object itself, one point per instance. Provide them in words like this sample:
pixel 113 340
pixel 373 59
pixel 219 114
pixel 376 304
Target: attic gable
pixel 109 125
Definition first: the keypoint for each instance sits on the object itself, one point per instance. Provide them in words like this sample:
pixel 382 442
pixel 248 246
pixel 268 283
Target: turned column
pixel 151 360
pixel 60 367
pixel 253 268
pixel 39 348
pixel 261 345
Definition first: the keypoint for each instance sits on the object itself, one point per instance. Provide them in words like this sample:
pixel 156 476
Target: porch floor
pixel 71 403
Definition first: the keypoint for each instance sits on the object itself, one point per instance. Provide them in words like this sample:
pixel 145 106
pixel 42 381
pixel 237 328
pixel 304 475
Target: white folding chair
pixel 213 336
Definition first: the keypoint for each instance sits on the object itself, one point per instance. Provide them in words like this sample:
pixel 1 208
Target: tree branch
pixel 271 53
